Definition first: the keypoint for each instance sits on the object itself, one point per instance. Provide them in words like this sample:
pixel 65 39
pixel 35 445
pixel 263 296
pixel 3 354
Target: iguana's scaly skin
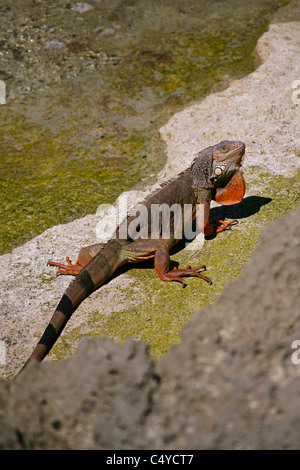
pixel 216 173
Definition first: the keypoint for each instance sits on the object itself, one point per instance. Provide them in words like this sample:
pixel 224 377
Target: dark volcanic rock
pixel 230 384
pixel 98 398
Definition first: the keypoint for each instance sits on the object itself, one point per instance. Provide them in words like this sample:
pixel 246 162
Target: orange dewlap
pixel 233 192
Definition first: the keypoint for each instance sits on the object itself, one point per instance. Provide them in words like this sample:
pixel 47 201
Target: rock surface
pixel 231 384
pixel 257 109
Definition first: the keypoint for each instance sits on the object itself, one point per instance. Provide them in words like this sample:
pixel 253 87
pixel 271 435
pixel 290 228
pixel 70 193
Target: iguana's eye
pixel 224 148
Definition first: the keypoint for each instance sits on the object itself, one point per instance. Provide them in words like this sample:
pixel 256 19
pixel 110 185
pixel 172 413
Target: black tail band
pixel 65 306
pixel 49 336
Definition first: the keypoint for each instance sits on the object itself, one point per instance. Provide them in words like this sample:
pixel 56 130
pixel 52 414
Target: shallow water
pixel 88 91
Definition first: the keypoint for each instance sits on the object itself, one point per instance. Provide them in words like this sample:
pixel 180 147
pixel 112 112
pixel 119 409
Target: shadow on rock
pixel 248 206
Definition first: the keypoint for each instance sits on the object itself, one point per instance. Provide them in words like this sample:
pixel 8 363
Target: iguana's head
pixel 219 168
pixel 227 172
pixel 227 160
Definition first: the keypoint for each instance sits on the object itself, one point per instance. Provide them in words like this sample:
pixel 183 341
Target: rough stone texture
pixel 256 109
pixel 267 121
pixel 231 384
pixel 99 398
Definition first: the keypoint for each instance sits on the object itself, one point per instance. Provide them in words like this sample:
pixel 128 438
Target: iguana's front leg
pixel 86 254
pixel 204 225
pixel 232 193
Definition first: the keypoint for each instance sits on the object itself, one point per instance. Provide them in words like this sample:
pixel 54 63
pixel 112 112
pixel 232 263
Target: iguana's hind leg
pixel 141 250
pixel 162 265
pixel 86 254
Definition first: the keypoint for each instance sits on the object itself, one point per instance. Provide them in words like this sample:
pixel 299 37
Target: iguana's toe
pixel 69 268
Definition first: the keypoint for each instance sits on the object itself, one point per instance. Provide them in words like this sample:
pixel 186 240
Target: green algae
pixel 88 128
pixel 44 182
pixel 161 309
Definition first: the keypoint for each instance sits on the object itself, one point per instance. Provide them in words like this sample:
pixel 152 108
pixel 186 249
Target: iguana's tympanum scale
pixel 216 173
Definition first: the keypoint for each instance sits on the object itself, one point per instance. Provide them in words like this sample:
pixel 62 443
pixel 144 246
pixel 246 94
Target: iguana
pixel 216 173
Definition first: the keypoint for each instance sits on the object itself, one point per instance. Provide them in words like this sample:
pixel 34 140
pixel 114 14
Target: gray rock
pixel 98 399
pixel 232 382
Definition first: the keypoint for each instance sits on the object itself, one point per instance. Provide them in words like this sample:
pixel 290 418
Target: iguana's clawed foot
pixel 211 230
pixel 72 269
pixel 177 274
pixel 225 225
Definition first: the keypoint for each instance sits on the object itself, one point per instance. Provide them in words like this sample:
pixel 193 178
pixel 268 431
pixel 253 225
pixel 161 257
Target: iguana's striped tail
pixel 90 278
